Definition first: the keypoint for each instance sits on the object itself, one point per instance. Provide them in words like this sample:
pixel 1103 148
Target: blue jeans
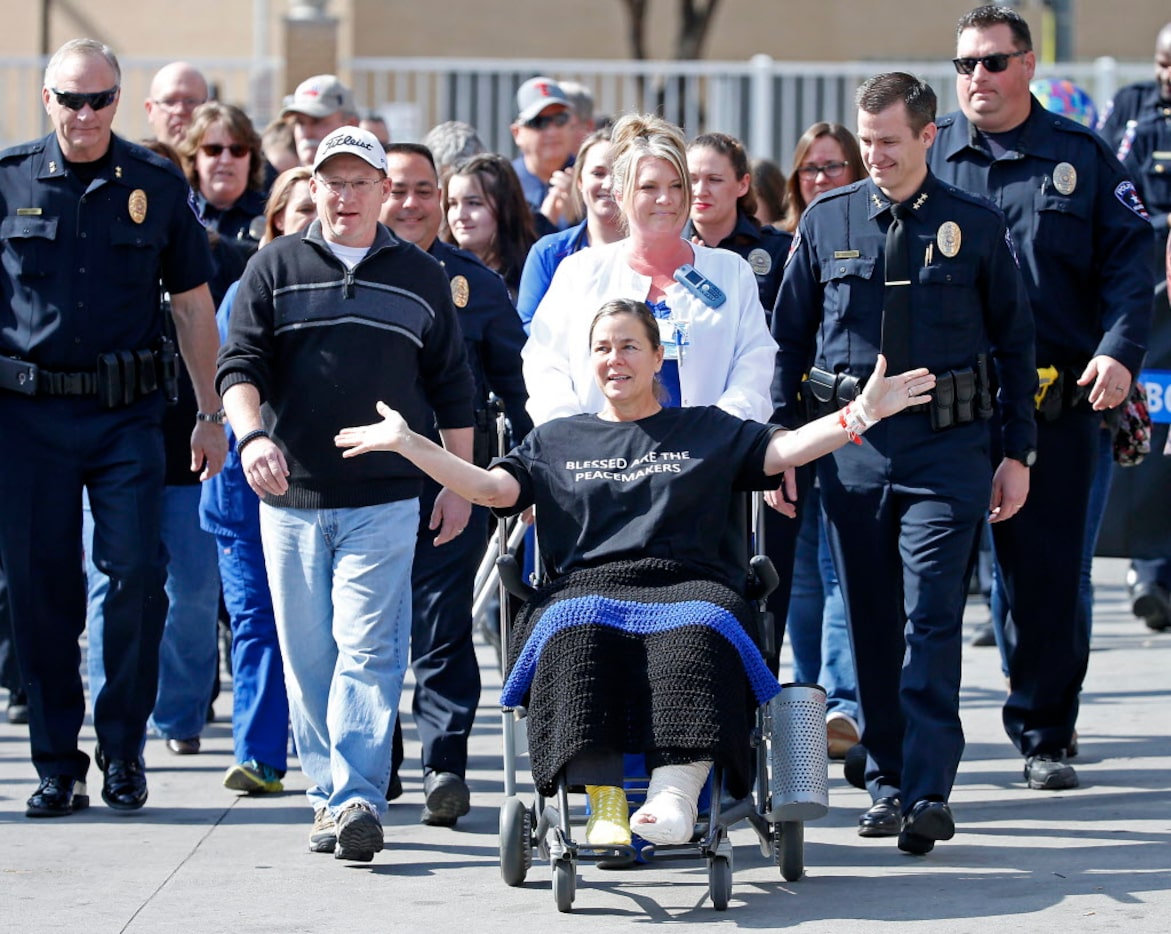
pixel 260 707
pixel 188 655
pixel 341 592
pixel 816 625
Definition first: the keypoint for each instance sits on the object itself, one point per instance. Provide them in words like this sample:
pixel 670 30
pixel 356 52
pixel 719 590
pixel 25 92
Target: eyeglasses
pixel 215 150
pixel 359 186
pixel 75 100
pixel 995 63
pixel 541 121
pixel 179 103
pixel 829 169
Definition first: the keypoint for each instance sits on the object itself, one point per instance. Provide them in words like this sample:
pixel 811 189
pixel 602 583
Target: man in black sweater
pixel 323 327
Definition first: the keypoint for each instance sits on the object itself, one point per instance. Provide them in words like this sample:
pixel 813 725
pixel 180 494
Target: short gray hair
pixel 453 142
pixel 88 48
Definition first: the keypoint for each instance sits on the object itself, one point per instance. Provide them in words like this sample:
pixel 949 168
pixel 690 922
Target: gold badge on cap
pixel 949 238
pixel 137 205
pixel 760 261
pixel 1065 178
pixel 460 292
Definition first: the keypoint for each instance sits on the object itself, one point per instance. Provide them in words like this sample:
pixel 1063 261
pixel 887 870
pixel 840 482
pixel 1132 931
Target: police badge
pixel 760 261
pixel 949 238
pixel 137 205
pixel 1064 178
pixel 460 292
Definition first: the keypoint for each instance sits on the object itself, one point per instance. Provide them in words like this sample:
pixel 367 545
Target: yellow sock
pixel 609 823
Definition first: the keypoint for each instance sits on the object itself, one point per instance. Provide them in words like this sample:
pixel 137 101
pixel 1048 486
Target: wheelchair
pixel 790 781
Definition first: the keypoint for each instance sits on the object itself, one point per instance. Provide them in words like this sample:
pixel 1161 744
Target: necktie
pixel 896 303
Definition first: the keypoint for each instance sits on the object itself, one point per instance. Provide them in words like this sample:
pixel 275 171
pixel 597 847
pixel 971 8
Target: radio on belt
pixel 700 285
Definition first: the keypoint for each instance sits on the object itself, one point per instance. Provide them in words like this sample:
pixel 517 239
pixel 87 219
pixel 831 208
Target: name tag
pixel 846 254
pixel 28 212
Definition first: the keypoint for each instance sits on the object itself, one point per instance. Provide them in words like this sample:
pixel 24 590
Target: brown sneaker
pixel 323 836
pixel 842 733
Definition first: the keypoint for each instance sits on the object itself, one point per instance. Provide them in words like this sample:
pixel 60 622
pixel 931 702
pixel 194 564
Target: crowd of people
pixel 923 334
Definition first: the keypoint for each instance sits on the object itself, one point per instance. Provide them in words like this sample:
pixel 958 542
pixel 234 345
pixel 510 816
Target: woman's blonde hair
pixel 641 136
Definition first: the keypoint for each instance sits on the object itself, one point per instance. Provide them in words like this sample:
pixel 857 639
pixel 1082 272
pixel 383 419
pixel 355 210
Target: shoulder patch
pixel 793 246
pixel 1125 192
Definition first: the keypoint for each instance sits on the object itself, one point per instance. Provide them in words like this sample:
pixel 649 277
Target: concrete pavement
pixel 200 859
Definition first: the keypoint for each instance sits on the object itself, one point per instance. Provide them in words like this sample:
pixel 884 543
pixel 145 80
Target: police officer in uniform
pixel 447 676
pixel 1136 102
pixel 90 226
pixel 1084 242
pixel 908 266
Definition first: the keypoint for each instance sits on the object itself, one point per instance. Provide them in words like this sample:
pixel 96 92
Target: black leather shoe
pixel 394 789
pixel 445 799
pixel 1049 773
pixel 884 819
pixel 17 707
pixel 854 766
pixel 124 788
pixel 925 823
pixel 58 796
pixel 1151 603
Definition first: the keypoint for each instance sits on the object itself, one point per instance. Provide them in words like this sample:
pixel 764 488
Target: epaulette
pixel 23 149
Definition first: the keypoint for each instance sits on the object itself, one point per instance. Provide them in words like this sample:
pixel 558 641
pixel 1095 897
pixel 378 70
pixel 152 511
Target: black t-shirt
pixel 662 486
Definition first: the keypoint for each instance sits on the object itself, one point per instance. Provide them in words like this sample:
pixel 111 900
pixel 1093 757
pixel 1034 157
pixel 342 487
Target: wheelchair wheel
pixel 719 880
pixel 516 852
pixel 789 847
pixel 564 882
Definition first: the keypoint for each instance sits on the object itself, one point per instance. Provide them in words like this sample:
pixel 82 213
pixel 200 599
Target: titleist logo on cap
pixel 347 140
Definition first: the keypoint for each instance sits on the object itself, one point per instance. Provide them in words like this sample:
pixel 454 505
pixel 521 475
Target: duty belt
pixel 67 384
pixel 120 378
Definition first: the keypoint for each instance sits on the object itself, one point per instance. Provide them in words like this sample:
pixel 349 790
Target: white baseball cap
pixel 356 142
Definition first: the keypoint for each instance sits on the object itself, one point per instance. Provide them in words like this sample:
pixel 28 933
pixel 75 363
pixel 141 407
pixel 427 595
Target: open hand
pixel 387 435
pixel 888 395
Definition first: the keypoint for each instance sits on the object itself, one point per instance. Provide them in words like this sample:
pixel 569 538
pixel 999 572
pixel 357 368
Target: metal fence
pixel 764 102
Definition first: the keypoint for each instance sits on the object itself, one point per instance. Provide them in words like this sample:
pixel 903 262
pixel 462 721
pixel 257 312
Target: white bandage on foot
pixel 672 803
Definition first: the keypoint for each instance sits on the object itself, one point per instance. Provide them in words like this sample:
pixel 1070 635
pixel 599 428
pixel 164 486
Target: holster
pixel 824 392
pixel 18 376
pixel 959 398
pixel 484 443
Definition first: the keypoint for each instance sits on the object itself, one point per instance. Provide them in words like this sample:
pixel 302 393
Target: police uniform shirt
pixel 1080 231
pixel 235 221
pixel 83 264
pixel 764 249
pixel 1130 106
pixel 966 295
pixel 1148 161
pixel 492 331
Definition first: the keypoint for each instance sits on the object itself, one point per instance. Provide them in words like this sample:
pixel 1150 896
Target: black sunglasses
pixel 541 121
pixel 75 100
pixel 214 150
pixel 995 63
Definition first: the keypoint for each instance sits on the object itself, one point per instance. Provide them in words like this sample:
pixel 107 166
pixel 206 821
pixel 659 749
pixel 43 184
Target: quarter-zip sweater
pixel 322 344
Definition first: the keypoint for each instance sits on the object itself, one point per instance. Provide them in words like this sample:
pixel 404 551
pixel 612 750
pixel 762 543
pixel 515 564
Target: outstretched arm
pixel 496 487
pixel 882 396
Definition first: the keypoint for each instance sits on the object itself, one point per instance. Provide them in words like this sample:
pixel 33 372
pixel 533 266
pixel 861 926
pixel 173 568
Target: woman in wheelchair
pixel 638 644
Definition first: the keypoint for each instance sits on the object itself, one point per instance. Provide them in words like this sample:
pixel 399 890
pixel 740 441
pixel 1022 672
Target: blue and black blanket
pixel 638 657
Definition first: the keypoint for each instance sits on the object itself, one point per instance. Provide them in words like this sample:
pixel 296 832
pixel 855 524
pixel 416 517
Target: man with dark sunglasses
pixel 1084 243
pixel 92 228
pixel 544 131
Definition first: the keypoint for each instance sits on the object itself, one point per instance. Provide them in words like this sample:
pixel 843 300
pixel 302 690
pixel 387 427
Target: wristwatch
pixel 1028 456
pixel 216 418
